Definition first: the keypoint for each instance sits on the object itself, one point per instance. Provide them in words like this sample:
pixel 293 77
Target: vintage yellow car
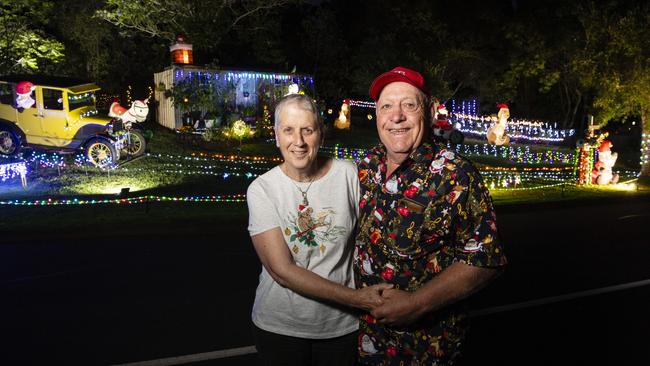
pixel 61 114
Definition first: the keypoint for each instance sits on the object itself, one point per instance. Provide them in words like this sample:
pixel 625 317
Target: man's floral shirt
pixel 433 211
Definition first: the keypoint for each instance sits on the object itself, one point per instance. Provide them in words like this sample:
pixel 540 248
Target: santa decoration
pixel 443 129
pixel 24 99
pixel 442 120
pixel 602 173
pixel 496 134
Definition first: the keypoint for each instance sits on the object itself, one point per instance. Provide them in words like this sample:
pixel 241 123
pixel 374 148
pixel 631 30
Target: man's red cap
pixel 397 74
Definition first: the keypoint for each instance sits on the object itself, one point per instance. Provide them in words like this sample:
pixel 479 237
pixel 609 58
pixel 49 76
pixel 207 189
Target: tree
pixel 623 67
pixel 548 57
pixel 325 52
pixel 204 22
pixel 25 46
pixel 415 39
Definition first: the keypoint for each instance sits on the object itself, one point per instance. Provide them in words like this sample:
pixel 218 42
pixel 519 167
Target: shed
pixel 250 89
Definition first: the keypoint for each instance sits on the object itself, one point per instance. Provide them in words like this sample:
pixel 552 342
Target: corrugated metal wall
pixel 168 116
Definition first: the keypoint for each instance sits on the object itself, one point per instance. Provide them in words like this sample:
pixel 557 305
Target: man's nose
pixel 397 114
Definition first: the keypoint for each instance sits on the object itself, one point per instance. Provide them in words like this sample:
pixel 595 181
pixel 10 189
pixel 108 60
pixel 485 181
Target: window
pixel 6 94
pixel 52 99
pixel 81 100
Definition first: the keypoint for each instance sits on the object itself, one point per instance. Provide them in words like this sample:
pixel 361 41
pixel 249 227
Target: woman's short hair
pixel 302 101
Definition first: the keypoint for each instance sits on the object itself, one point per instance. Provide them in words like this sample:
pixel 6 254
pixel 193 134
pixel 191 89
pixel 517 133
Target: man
pixel 427 226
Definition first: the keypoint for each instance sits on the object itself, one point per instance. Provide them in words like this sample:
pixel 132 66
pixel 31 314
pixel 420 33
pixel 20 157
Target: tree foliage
pixel 25 46
pixel 206 22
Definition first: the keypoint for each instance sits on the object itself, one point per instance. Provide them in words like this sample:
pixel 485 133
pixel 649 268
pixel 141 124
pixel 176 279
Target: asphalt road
pixel 99 301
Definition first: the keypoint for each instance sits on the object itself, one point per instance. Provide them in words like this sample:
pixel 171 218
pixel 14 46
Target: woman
pixel 302 217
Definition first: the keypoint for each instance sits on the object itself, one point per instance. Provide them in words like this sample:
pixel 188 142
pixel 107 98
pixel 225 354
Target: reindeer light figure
pixel 496 134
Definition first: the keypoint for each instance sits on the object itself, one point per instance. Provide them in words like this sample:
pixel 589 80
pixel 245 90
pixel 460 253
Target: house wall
pixel 247 88
pixel 167 115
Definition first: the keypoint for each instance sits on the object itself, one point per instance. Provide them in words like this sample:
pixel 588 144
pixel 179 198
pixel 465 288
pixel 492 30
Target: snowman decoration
pixel 24 98
pixel 496 134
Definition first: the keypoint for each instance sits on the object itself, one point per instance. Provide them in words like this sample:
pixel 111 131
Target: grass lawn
pixel 174 168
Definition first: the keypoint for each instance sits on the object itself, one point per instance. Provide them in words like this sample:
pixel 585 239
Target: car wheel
pixel 101 152
pixel 456 137
pixel 135 143
pixel 9 142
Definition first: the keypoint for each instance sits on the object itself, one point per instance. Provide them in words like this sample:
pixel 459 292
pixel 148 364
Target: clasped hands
pixel 388 305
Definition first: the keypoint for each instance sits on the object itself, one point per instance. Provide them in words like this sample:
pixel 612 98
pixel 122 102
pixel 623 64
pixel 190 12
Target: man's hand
pixel 399 308
pixel 368 298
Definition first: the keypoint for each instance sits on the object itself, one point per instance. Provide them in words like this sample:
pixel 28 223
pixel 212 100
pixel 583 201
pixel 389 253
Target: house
pixel 241 91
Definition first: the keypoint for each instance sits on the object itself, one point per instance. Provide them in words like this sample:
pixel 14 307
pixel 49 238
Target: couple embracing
pixel 368 264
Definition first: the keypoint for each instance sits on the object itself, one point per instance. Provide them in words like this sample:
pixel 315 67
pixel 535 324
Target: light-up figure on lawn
pixel 496 134
pixel 602 173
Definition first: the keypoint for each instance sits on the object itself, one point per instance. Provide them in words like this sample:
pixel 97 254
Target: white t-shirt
pixel 320 239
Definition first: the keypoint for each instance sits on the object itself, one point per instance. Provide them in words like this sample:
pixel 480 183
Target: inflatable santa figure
pixel 602 173
pixel 442 119
pixel 24 99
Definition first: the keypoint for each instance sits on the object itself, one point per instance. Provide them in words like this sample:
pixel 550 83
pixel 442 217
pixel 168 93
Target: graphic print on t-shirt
pixel 312 230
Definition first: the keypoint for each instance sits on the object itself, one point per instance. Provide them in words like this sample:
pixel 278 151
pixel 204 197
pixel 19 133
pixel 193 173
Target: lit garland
pixel 585 164
pixel 516 154
pixel 249 159
pixel 82 96
pixel 466 107
pixel 359 103
pixel 222 172
pixel 215 167
pixel 509 179
pixel 265 125
pixel 129 99
pixel 89 113
pixel 494 187
pixel 236 75
pixel 517 129
pixel 235 198
pixel 105 100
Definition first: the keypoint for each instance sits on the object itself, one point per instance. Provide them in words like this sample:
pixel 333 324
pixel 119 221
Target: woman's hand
pixel 368 298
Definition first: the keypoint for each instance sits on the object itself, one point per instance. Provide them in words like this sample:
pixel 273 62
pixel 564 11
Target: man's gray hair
pixel 302 101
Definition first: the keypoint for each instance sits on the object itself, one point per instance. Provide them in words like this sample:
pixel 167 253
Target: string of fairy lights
pixel 234 198
pixel 560 168
pixel 645 148
pixel 515 154
pixel 232 76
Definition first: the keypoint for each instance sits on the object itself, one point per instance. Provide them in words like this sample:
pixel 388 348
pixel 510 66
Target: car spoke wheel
pixel 135 143
pixel 101 153
pixel 8 143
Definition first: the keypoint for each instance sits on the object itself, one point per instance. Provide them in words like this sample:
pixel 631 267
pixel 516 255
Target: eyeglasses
pixel 406 106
